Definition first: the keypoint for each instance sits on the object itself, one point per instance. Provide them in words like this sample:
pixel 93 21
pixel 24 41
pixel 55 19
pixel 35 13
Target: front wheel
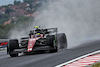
pixel 14 55
pixel 12 44
pixel 52 43
pixel 55 48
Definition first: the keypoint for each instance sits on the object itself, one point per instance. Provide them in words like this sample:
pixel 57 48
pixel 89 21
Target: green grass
pixel 96 65
pixel 2 49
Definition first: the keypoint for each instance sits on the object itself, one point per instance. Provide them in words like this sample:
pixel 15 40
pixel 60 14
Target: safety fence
pixel 3 43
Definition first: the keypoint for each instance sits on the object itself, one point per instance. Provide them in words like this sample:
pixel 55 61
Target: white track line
pixel 78 58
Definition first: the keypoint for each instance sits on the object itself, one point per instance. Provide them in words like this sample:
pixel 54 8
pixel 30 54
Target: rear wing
pixel 44 31
pixel 52 30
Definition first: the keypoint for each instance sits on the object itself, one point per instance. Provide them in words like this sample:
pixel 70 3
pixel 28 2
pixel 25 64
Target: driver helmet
pixel 38 35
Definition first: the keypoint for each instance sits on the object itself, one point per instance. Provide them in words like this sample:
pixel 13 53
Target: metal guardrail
pixel 3 46
pixel 3 40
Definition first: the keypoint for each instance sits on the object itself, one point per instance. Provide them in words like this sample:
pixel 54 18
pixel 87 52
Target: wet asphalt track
pixel 47 59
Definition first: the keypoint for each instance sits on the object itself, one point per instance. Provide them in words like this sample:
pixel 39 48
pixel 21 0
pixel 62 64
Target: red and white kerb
pixel 85 61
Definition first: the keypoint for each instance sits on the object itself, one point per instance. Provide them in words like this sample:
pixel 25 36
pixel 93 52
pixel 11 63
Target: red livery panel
pixel 31 43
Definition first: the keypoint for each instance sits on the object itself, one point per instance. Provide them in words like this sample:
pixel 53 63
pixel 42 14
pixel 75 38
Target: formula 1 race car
pixel 38 40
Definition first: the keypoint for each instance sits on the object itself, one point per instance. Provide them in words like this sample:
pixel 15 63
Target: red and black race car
pixel 38 40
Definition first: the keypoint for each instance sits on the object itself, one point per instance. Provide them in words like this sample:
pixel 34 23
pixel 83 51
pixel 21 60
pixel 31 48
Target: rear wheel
pixel 62 40
pixel 13 44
